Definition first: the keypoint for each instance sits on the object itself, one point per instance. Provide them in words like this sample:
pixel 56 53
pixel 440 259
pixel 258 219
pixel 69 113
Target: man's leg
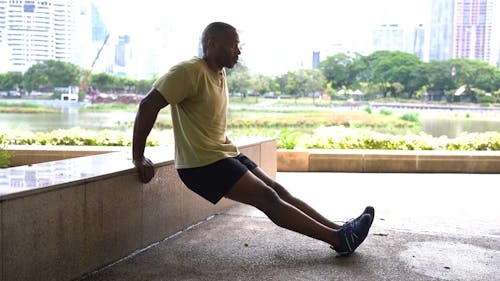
pixel 250 189
pixel 286 196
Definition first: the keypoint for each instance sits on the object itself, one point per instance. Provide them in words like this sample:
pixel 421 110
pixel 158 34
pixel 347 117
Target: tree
pixel 143 86
pixel 238 79
pixel 480 74
pixel 337 70
pixel 314 82
pixel 239 82
pixel 50 74
pixel 11 80
pixel 262 84
pixel 397 67
pixel 291 84
pixel 418 79
pixel 239 67
pixel 303 81
pixel 441 75
pixel 125 84
pixel 104 81
pixel 366 65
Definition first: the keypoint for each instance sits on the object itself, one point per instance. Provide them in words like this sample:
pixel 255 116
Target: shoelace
pixel 349 236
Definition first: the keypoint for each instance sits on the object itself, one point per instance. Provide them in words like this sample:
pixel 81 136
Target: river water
pixel 69 117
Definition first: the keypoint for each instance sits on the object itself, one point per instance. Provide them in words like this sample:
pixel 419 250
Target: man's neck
pixel 212 65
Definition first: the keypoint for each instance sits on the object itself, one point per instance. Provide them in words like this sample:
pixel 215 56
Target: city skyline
pixel 148 39
pixel 276 37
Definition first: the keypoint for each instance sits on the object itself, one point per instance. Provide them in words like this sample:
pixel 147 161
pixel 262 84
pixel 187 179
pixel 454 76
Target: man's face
pixel 228 50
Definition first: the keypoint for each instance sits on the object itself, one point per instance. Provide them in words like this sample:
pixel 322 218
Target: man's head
pixel 220 45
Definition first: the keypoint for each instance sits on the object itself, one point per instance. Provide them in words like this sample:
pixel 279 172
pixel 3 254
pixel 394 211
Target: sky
pixel 276 35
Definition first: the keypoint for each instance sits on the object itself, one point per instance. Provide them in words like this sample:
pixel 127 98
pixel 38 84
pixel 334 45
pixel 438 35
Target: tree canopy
pixel 11 80
pixel 392 74
pixel 51 74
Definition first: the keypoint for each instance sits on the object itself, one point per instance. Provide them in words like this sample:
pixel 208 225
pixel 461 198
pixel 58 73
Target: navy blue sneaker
pixel 368 210
pixel 352 234
pixel 371 211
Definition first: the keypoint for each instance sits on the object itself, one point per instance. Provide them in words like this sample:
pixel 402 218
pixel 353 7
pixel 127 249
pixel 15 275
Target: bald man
pixel 209 163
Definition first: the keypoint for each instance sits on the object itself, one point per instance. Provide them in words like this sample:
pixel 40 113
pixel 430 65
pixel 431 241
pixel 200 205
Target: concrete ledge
pixel 63 219
pixel 388 161
pixel 34 154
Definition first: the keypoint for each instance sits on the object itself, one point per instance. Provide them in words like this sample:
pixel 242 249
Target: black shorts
pixel 213 181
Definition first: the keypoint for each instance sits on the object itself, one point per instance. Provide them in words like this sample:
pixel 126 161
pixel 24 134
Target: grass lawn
pixel 25 108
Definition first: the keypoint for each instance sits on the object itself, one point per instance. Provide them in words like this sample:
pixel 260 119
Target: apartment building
pixel 33 31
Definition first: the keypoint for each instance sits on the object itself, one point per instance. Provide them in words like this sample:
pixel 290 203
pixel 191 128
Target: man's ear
pixel 212 43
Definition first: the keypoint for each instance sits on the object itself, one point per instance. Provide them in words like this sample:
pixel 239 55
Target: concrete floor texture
pixel 427 227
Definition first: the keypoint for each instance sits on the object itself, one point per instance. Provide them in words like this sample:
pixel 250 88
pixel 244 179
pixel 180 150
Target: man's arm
pixel 145 118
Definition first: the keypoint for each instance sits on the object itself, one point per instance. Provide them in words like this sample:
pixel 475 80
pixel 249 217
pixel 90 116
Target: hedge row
pixel 74 136
pixel 345 138
pixel 338 137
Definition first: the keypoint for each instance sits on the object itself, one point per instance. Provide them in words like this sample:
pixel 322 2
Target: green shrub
pixel 411 117
pixel 486 99
pixel 385 111
pixel 348 138
pixel 4 158
pixel 109 107
pixel 57 94
pixel 74 136
pixel 336 137
pixel 24 107
pixel 475 141
pixel 368 110
pixel 287 139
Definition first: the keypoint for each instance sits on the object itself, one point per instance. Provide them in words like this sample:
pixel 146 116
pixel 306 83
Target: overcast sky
pixel 277 35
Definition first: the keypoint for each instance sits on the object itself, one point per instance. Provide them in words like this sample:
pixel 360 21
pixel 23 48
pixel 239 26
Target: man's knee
pixel 281 191
pixel 250 190
pixel 266 197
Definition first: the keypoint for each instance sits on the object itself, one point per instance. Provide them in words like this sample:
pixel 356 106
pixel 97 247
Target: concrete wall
pixel 315 160
pixel 63 219
pixel 388 161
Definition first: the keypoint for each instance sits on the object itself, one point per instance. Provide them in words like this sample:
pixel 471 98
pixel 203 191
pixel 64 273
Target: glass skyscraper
pixel 441 30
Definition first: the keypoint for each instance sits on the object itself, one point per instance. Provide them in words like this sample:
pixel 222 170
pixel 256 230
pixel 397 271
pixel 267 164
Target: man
pixel 209 163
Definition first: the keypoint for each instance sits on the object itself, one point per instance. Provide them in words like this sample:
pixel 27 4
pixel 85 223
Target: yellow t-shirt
pixel 198 99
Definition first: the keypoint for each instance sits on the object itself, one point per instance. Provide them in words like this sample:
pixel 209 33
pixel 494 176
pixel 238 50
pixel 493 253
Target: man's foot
pixel 371 211
pixel 352 234
pixel 368 210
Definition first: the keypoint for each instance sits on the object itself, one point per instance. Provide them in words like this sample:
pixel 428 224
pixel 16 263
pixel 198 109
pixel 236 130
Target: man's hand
pixel 145 168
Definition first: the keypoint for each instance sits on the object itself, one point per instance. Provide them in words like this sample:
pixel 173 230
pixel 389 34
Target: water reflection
pixel 452 128
pixel 70 117
pixel 36 176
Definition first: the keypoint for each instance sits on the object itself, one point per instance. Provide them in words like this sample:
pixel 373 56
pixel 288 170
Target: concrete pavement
pixel 427 227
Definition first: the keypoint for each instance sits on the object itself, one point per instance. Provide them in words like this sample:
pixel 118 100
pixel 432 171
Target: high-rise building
pixel 417 42
pixel 33 31
pixel 3 7
pixel 122 52
pixel 99 29
pixel 474 31
pixel 441 30
pixel 315 59
pixel 101 51
pixel 396 37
